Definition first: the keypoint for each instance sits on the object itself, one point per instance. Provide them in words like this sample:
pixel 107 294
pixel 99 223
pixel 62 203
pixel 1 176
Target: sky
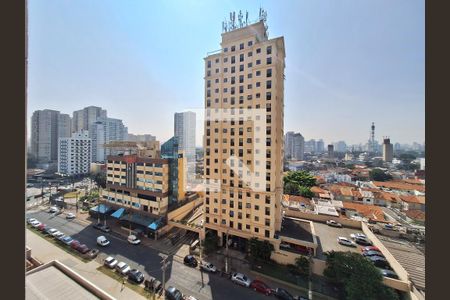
pixel 348 62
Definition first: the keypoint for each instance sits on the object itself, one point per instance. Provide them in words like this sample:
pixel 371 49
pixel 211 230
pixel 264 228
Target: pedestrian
pixel 123 285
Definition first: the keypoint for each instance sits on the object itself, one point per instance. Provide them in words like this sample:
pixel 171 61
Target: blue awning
pixel 155 225
pixel 101 208
pixel 118 213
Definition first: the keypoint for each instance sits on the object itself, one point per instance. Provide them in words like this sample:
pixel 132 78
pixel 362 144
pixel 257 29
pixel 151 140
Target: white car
pixel 31 220
pixel 123 268
pixel 53 209
pixel 110 262
pixel 334 223
pixel 36 223
pixel 209 267
pixel 132 239
pixel 241 279
pixel 359 235
pixel 103 241
pixel 70 216
pixel 56 233
pixel 345 241
pixel 51 231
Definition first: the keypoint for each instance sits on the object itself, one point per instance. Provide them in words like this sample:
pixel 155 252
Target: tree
pixel 379 175
pixel 302 178
pixel 302 264
pixel 291 188
pixel 100 179
pixel 359 278
pixel 305 192
pixel 211 242
pixel 260 249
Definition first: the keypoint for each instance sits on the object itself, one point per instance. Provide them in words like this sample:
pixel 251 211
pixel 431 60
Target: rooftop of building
pixel 413 199
pixel 296 229
pixel 416 214
pixel 365 210
pixel 400 185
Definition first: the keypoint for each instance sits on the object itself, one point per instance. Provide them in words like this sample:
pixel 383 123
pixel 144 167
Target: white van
pixel 102 241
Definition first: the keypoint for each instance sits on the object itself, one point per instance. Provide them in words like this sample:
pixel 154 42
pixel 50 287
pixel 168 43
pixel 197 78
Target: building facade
pixel 388 150
pixel 98 135
pixel 75 154
pixel 137 183
pixel 243 199
pixel 141 137
pixel 184 130
pixel 84 117
pixel 45 130
pixel 294 146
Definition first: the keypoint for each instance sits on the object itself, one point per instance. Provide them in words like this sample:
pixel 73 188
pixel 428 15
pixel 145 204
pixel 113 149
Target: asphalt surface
pixel 147 260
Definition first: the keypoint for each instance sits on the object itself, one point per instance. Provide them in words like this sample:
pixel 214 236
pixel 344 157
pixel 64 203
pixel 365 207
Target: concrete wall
pixel 400 285
pixel 322 218
pixel 181 212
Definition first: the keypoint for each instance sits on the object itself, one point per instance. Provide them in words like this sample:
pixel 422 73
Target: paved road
pixel 186 279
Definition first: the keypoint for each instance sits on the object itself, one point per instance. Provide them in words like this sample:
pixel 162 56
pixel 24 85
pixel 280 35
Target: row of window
pixel 241 78
pixel 241 89
pixel 241 56
pixel 239 226
pixel 241 67
pixel 241 100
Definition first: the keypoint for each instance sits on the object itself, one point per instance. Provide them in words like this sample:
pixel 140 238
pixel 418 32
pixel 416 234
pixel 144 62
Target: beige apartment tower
pixel 243 140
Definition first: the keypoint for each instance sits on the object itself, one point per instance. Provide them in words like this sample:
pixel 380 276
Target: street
pixel 147 260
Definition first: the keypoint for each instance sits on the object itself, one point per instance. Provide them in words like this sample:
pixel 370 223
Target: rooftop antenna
pixel 234 20
pixel 246 18
pixel 240 16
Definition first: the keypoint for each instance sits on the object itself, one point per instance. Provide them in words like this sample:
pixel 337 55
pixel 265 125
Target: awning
pixel 138 219
pixel 118 213
pixel 155 225
pixel 101 208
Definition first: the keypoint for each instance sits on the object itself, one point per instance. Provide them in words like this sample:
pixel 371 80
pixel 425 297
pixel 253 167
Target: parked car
pixel 132 239
pixel 110 262
pixel 75 244
pixel 189 260
pixel 60 239
pixel 370 248
pixel 208 267
pixel 372 253
pixel 123 268
pixel 282 294
pixel 345 241
pixel 50 231
pixel 241 279
pixel 105 228
pixel 36 224
pixel 389 226
pixel 157 286
pixel 83 249
pixel 103 241
pixel 92 253
pixel 53 209
pixel 31 220
pixel 388 273
pixel 379 262
pixel 333 223
pixel 67 240
pixel 98 226
pixel 58 235
pixel 70 216
pixel 355 235
pixel 41 227
pixel 173 294
pixel 363 241
pixel 136 276
pixel 261 287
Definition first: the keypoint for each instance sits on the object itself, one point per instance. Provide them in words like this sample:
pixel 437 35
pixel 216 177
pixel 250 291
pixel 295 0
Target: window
pixel 233 48
pixel 258 50
pixel 249 65
pixel 241 68
pixel 208 83
pixel 249 75
pixel 233 59
pixel 241 57
pixel 233 80
pixel 241 46
pixel 250 43
pixel 268 84
pixel 217 60
pixel 217 71
pixel 225 59
pixel 209 64
pixel 269 73
pixel 269 50
pixel 233 70
pixel 249 86
pixel 225 49
pixel 208 73
pixel 269 60
pixel 268 96
pixel 267 233
pixel 225 70
pixel 241 78
pixel 256 229
pixel 258 73
pixel 258 61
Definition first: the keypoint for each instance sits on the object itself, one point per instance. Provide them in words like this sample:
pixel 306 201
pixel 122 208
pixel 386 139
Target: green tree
pixel 305 192
pixel 302 178
pixel 302 264
pixel 379 175
pixel 100 179
pixel 260 249
pixel 291 188
pixel 359 278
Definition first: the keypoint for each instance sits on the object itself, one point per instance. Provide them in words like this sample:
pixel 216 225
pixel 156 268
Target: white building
pixel 75 154
pixel 422 163
pixel 185 132
pixel 97 133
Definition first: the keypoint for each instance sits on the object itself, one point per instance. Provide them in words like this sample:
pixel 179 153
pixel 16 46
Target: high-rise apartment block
pixel 74 154
pixel 97 132
pixel 294 146
pixel 84 117
pixel 243 142
pixel 46 127
pixel 388 150
pixel 184 130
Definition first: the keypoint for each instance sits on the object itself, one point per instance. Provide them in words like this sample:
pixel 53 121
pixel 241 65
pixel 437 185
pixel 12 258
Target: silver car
pixel 241 279
pixel 123 268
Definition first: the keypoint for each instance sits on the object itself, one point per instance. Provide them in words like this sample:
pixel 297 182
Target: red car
pixel 83 249
pixel 41 227
pixel 370 248
pixel 261 287
pixel 75 244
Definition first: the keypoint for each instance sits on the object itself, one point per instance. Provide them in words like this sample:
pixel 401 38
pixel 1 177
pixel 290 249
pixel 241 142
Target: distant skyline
pixel 348 63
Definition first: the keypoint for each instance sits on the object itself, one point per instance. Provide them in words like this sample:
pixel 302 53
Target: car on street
pixel 132 239
pixel 75 244
pixel 92 253
pixel 345 241
pixel 370 248
pixel 372 253
pixel 31 220
pixel 135 276
pixel 282 294
pixel 389 226
pixel 53 209
pixel 70 216
pixel 259 286
pixel 356 235
pixel 110 262
pixel 189 298
pixel 83 249
pixel 241 279
pixel 67 240
pixel 333 223
pixel 173 293
pixel 58 235
pixel 363 241
pixel 103 241
pixel 388 273
pixel 36 224
pixel 105 228
pixel 208 267
pixel 189 260
pixel 41 227
pixel 123 268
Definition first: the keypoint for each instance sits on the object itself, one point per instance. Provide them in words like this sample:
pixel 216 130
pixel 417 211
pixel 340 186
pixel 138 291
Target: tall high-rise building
pixel 243 142
pixel 97 133
pixel 320 146
pixel 310 146
pixel 294 146
pixel 84 117
pixel 75 154
pixel 340 146
pixel 64 126
pixel 330 151
pixel 388 150
pixel 46 126
pixel 184 130
pixel 141 137
pixel 115 130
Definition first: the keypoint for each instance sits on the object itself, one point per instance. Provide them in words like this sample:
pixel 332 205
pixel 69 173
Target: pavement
pixel 45 252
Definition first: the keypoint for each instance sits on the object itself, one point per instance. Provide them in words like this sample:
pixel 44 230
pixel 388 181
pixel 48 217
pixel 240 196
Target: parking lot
pixel 327 238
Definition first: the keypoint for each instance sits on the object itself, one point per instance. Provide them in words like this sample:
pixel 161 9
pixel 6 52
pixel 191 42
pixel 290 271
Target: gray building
pixel 340 146
pixel 388 150
pixel 97 133
pixel 84 117
pixel 184 130
pixel 141 137
pixel 46 127
pixel 294 146
pixel 320 146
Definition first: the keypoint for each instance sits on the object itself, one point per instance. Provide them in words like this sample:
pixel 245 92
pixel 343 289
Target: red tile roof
pixel 413 199
pixel 416 214
pixel 369 211
pixel 399 185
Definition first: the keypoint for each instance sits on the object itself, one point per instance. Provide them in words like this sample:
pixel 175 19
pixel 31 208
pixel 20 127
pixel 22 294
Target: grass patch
pixel 72 194
pixel 137 288
pixel 58 244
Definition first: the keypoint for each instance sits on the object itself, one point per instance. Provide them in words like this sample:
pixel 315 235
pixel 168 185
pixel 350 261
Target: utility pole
pixel 310 258
pixel 226 254
pixel 163 268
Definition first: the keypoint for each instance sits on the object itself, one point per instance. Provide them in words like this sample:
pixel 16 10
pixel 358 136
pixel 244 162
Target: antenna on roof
pixel 240 16
pixel 246 18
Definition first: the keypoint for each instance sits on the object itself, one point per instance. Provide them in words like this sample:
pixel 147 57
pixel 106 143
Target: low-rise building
pixel 412 202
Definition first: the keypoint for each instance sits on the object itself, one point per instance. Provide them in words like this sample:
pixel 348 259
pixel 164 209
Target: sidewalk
pixel 45 252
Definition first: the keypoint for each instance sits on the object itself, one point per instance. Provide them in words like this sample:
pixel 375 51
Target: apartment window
pixel 225 80
pixel 232 91
pixel 269 60
pixel 233 59
pixel 258 50
pixel 269 73
pixel 233 70
pixel 208 73
pixel 258 73
pixel 241 68
pixel 249 97
pixel 249 75
pixel 249 86
pixel 241 89
pixel 217 60
pixel 233 48
pixel 225 70
pixel 250 43
pixel 241 46
pixel 216 91
pixel 225 49
pixel 208 83
pixel 269 50
pixel 256 229
pixel 225 90
pixel 258 61
pixel 249 65
pixel 267 212
pixel 241 57
pixel 209 64
pixel 267 233
pixel 268 96
pixel 217 71
pixel 268 84
pixel 215 220
pixel 241 78
pixel 225 59
pixel 233 80
pixel 267 199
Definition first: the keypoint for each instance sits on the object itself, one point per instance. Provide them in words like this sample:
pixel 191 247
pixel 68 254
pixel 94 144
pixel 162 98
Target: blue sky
pixel 348 62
